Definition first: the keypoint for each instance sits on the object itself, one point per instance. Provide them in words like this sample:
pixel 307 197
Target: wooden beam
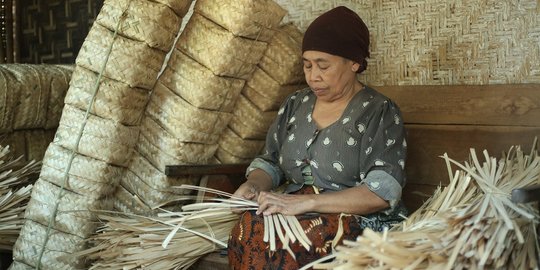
pixel 225 169
pixel 493 105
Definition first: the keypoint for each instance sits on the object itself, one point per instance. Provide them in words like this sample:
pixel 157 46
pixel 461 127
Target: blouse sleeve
pixel 269 160
pixel 385 147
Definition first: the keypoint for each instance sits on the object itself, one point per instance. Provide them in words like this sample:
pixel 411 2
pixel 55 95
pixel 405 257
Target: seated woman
pixel 337 146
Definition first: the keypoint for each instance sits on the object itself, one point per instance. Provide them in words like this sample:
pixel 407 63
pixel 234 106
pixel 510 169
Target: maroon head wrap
pixel 339 31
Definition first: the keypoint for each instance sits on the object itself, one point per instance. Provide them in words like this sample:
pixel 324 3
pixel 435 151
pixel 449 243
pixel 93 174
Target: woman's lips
pixel 318 90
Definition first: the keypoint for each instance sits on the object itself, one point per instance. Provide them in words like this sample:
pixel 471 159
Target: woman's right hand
pixel 247 191
pixel 257 181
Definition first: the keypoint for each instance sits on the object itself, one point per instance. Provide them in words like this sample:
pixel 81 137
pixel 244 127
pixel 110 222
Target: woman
pixel 336 147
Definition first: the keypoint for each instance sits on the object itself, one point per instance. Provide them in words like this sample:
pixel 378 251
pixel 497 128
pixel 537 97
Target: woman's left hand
pixel 286 204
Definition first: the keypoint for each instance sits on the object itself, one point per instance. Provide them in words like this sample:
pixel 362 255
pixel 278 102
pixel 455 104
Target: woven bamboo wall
pixel 439 42
pixel 52 31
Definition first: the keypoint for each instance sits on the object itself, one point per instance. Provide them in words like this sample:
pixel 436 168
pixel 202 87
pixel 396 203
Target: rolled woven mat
pixel 186 152
pixel 283 58
pixel 102 139
pixel 33 96
pixel 198 85
pixel 150 22
pixel 227 158
pixel 242 148
pixel 115 100
pixel 87 176
pixel 59 247
pixel 249 122
pixel 130 61
pixel 7 100
pixel 218 49
pixel 72 217
pixel 269 92
pixel 255 19
pixel 202 120
pixel 37 141
pixel 61 76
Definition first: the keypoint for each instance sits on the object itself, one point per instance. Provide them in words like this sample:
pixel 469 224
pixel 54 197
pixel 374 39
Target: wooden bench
pixel 438 120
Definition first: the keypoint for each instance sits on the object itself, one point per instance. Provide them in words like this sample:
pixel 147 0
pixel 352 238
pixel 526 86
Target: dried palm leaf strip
pixel 247 18
pixel 218 49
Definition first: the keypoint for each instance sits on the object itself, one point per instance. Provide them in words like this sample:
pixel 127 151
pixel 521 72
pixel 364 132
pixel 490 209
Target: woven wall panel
pixel 440 42
pixel 52 31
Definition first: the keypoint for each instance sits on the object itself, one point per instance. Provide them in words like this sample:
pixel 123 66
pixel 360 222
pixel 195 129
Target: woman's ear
pixel 355 67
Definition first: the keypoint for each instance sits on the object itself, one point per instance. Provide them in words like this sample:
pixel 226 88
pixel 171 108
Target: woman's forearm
pixel 356 200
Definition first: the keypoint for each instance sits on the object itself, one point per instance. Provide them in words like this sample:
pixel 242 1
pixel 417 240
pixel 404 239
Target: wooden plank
pixel 425 143
pixel 182 170
pixel 495 105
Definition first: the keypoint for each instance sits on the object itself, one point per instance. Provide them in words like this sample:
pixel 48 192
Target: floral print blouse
pixel 365 146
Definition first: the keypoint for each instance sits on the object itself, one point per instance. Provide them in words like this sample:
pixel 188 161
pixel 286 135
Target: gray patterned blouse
pixel 366 146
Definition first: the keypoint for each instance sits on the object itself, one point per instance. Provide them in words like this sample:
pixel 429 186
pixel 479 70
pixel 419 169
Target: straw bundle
pixel 173 240
pixel 131 62
pixel 14 175
pixel 101 139
pixel 114 100
pixel 249 122
pixel 282 60
pixel 150 22
pixel 471 224
pixel 246 18
pixel 198 85
pixel 232 143
pixel 219 50
pixel 87 176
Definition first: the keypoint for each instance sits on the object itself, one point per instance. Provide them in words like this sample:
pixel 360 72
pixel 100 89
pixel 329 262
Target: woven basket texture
pixel 72 217
pixel 180 7
pixel 130 61
pixel 57 254
pixel 190 153
pixel 247 18
pixel 269 93
pixel 283 58
pixel 227 158
pixel 87 176
pixel 150 22
pixel 102 139
pixel 16 141
pixel 192 117
pixel 234 144
pixel 437 42
pixel 114 100
pixel 33 96
pixel 218 49
pixel 155 178
pixel 249 122
pixel 125 202
pixel 198 85
pixel 31 106
pixel 7 100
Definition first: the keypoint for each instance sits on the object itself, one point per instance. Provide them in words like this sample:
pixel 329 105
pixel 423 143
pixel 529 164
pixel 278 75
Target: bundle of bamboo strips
pixel 470 224
pixel 175 240
pixel 15 188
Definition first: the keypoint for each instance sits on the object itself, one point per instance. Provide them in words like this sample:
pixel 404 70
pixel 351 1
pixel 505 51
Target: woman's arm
pixel 257 181
pixel 356 200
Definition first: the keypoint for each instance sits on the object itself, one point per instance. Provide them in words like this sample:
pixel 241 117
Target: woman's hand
pixel 286 204
pixel 257 181
pixel 247 191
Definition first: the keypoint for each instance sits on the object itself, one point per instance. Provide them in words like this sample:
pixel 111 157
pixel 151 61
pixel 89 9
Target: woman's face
pixel 330 77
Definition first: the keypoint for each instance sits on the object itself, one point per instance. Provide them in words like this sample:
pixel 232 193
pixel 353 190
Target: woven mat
pixel 437 42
